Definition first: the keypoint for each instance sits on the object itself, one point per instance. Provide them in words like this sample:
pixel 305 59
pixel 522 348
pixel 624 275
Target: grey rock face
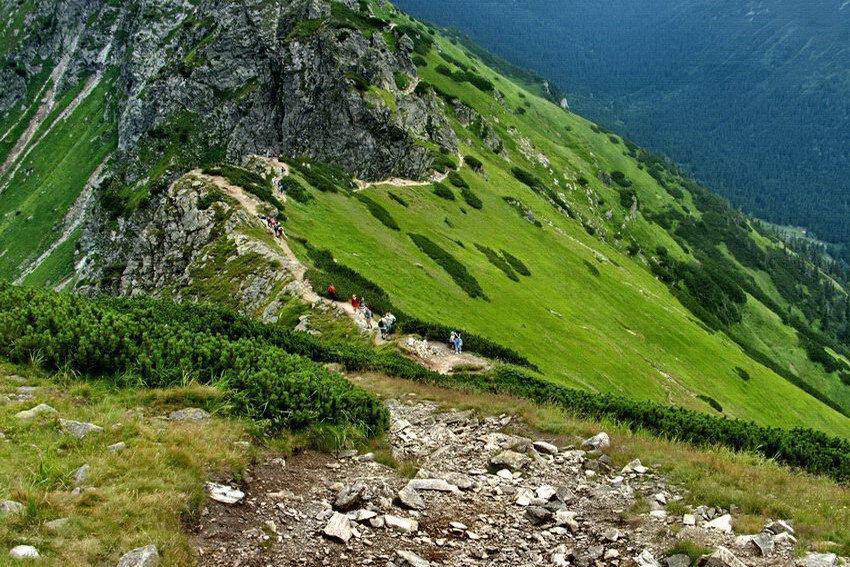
pixel 147 556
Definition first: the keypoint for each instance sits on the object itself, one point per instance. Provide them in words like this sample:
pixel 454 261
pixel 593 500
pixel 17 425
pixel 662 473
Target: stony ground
pixel 481 495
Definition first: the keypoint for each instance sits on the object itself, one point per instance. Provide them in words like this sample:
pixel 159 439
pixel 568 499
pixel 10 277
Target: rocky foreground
pixel 482 495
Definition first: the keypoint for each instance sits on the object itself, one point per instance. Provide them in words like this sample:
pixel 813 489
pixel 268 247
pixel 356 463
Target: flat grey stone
pixel 147 556
pixel 78 429
pixel 189 414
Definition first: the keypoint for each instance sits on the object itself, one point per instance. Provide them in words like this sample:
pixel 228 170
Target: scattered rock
pixel 401 524
pixel 78 429
pixel 147 556
pixel 511 460
pixel 40 409
pixel 818 560
pixel 410 499
pixel 721 557
pixel 10 507
pixel 81 474
pixel 646 559
pixel 545 448
pixel 779 527
pixel 338 528
pixel 598 442
pixel 22 552
pixel 677 561
pixel 435 484
pixel 689 520
pixel 538 515
pixel 763 542
pixel 410 558
pixel 722 524
pixel 189 414
pixel 635 467
pixel 350 496
pixel 224 494
pixel 120 446
pixel 56 525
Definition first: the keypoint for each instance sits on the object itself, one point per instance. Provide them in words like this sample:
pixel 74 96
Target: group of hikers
pixel 276 227
pixel 456 341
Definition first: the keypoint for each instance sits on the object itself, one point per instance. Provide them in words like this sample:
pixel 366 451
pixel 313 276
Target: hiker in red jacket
pixel 355 302
pixel 332 291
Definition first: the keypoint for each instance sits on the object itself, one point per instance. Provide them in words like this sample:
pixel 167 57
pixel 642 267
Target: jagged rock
pixel 410 499
pixel 405 525
pixel 545 448
pixel 722 524
pixel 721 557
pixel 780 526
pixel 689 520
pixel 224 494
pixel 435 484
pixel 350 496
pixel 78 429
pixel 588 557
pixel 40 409
pixel 410 558
pixel 462 481
pixel 189 414
pixel 511 460
pixel 362 515
pixel 677 561
pixel 598 442
pixel 81 474
pixel 56 525
pixel 783 538
pixel 635 466
pixel 147 556
pixel 818 560
pixel 612 534
pixel 23 552
pixel 763 542
pixel 646 559
pixel 546 492
pixel 538 515
pixel 338 528
pixel 10 507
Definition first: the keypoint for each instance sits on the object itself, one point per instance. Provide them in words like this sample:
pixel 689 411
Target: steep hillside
pixel 414 173
pixel 751 96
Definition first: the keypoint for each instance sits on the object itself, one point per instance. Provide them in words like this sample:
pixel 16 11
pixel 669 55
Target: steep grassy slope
pixel 589 315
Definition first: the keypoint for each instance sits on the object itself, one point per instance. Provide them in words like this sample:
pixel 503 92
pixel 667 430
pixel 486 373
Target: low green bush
pixel 402 81
pixel 442 162
pixel 498 261
pixel 449 263
pixel 457 180
pixel 212 196
pixel 592 268
pixel 712 402
pixel 620 179
pixel 322 176
pixel 443 191
pixel 264 381
pixel 295 190
pixel 471 199
pixel 516 264
pixel 474 163
pixel 379 212
pixel 742 373
pixel 398 199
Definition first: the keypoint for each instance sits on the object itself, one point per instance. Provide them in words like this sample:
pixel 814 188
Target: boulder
pixel 598 442
pixel 40 409
pixel 779 527
pixel 722 524
pixel 566 518
pixel 147 556
pixel 689 520
pixel 763 543
pixel 721 557
pixel 189 414
pixel 224 494
pixel 120 446
pixel 411 559
pixel 510 460
pixel 410 499
pixel 818 560
pixel 23 552
pixel 635 467
pixel 338 528
pixel 78 429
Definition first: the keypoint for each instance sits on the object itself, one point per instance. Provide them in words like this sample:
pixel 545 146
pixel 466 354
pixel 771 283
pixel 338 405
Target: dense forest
pixel 750 97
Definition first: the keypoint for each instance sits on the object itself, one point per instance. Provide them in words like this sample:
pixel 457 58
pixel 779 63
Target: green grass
pixel 142 495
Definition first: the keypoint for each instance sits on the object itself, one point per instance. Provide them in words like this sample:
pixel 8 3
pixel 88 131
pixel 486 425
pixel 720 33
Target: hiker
pixel 332 291
pixel 458 344
pixel 391 319
pixel 355 302
pixel 453 340
pixel 382 326
pixel 367 314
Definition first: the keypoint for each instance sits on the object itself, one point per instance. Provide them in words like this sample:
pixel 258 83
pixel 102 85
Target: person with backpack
pixel 458 344
pixel 367 314
pixel 453 340
pixel 332 291
pixel 355 302
pixel 382 326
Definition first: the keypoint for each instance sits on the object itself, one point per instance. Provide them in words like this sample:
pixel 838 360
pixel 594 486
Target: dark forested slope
pixel 752 96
